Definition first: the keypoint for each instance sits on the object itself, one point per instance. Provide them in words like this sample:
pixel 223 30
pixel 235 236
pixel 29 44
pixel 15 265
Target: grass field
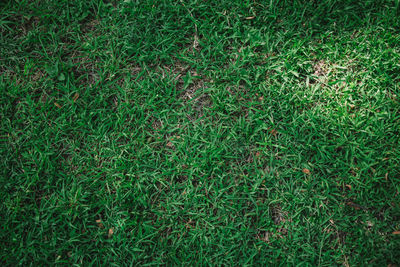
pixel 223 133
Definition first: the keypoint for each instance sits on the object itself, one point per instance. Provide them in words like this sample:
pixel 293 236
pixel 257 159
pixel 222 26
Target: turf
pixel 196 132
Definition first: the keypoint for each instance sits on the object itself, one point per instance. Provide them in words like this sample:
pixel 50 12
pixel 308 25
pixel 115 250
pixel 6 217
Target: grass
pixel 200 132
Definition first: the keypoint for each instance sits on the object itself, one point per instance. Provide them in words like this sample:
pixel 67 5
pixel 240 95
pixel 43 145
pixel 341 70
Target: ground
pixel 200 132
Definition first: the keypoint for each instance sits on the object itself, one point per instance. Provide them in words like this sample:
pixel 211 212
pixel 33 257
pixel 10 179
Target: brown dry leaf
pixel 273 132
pixel 76 96
pixel 306 171
pixel 110 232
pixel 57 105
pixel 386 176
pixel 396 233
pixel 175 137
pixel 169 144
pixel 258 154
pixel 99 223
pixel 348 186
pixel 354 205
pixel 248 18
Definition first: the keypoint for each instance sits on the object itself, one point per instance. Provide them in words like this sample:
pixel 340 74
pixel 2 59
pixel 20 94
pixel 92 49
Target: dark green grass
pixel 200 132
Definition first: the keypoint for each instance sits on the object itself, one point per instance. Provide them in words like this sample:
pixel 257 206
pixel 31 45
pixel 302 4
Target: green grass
pixel 201 132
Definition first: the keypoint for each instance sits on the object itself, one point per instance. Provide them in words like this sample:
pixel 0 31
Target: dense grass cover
pixel 200 132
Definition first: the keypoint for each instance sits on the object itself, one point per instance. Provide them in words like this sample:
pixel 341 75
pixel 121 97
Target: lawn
pixel 194 132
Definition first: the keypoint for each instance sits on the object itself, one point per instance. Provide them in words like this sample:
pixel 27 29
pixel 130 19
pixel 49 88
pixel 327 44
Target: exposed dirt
pixel 191 94
pixel 321 69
